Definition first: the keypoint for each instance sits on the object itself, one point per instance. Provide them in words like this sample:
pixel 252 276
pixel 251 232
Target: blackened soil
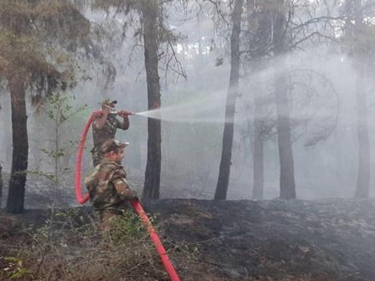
pixel 277 240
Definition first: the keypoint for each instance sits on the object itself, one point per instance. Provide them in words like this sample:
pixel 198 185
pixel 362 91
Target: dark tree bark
pixel 153 167
pixel 258 157
pixel 363 178
pixel 16 194
pixel 1 183
pixel 260 34
pixel 29 67
pixel 287 183
pixel 226 153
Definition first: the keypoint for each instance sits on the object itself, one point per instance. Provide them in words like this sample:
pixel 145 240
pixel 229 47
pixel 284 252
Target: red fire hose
pixel 136 205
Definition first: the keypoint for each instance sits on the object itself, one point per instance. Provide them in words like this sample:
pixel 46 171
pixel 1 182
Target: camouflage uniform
pixel 108 131
pixel 109 191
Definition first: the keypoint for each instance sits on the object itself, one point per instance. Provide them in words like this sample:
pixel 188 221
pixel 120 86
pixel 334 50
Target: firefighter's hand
pixel 107 109
pixel 124 113
pixel 133 196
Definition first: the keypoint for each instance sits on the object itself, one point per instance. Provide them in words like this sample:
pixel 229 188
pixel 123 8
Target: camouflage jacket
pixel 108 131
pixel 108 187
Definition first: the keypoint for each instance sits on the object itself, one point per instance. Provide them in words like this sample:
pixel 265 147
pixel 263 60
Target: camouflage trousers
pixel 97 156
pixel 105 218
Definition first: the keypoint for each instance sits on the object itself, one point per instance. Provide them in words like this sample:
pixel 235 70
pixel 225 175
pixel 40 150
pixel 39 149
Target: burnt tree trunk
pixel 258 157
pixel 259 15
pixel 1 183
pixel 226 153
pixel 287 182
pixel 16 194
pixel 363 178
pixel 153 167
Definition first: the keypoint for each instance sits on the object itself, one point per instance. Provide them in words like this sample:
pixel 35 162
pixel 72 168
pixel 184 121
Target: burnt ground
pixel 278 240
pixel 267 240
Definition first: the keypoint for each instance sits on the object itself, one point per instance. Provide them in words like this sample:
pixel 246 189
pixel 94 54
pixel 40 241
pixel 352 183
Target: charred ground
pixel 279 240
pixel 248 240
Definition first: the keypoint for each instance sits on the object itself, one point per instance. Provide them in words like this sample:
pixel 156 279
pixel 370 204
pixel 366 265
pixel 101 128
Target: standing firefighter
pixel 107 185
pixel 105 125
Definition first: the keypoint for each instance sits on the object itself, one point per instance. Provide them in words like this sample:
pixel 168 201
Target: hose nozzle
pixel 121 112
pixel 114 112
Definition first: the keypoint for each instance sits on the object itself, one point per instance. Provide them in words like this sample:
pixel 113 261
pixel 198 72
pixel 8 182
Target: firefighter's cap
pixel 108 102
pixel 112 145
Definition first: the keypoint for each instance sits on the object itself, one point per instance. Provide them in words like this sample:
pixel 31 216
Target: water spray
pixel 136 205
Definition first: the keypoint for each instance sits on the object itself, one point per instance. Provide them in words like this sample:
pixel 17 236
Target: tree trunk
pixel 363 179
pixel 153 166
pixel 260 30
pixel 287 183
pixel 258 157
pixel 226 153
pixel 1 183
pixel 16 194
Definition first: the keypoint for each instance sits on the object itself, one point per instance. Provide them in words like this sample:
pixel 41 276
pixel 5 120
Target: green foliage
pixel 125 228
pixel 70 220
pixel 15 269
pixel 190 251
pixel 61 112
pixel 37 41
pixel 67 246
pixel 60 108
pixel 36 38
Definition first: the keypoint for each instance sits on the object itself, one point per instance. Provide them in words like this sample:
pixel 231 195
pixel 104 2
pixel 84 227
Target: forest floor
pixel 325 240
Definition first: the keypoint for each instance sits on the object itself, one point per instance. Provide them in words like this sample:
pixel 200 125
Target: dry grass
pixel 68 247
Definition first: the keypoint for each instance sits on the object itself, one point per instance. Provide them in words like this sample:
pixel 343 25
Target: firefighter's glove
pixel 124 113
